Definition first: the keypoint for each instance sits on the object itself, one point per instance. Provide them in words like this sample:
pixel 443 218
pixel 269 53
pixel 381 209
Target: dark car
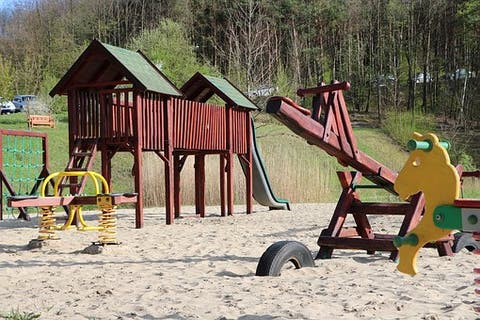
pixel 21 101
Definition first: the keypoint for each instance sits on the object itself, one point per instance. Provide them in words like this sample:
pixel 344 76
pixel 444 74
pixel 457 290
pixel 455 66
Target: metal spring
pixel 108 226
pixel 47 224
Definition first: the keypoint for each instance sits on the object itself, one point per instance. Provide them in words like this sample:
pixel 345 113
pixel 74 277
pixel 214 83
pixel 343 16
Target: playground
pixel 205 269
pixel 161 263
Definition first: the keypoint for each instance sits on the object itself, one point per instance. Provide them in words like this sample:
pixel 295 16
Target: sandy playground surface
pixel 205 269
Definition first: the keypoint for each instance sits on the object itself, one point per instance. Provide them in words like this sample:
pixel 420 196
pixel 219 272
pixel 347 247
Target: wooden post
pixel 168 153
pixel 229 158
pixel 176 185
pixel 107 165
pixel 222 185
pixel 249 173
pixel 200 184
pixel 340 213
pixel 412 217
pixel 138 161
pixel 72 119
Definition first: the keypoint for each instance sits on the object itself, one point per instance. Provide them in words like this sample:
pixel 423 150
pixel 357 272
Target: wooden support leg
pixel 249 187
pixel 340 213
pixel 169 165
pixel 176 185
pixel 363 227
pixel 138 188
pixel 411 218
pixel 200 184
pixel 222 185
pixel 229 170
pixel 107 167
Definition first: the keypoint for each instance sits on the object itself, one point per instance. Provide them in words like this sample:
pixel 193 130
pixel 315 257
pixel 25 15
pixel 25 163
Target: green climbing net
pixel 22 165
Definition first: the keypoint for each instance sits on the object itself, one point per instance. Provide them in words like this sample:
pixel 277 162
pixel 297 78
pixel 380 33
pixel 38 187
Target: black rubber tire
pixel 280 253
pixel 464 240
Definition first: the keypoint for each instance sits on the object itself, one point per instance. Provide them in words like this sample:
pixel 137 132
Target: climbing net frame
pixel 23 166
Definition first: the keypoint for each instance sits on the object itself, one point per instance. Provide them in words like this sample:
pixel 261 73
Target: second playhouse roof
pixel 201 87
pixel 102 62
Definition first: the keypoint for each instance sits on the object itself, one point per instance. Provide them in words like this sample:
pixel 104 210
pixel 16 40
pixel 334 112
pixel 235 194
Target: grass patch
pixel 20 315
pixel 401 124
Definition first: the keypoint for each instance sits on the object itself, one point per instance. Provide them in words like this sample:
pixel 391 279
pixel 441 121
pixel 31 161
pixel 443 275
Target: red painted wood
pixel 136 121
pixel 176 185
pixel 67 200
pixel 222 185
pixel 249 171
pixel 467 203
pixel 200 185
pixel 312 131
pixel 327 88
pixel 169 171
pixel 475 174
pixel 138 160
pixel 229 158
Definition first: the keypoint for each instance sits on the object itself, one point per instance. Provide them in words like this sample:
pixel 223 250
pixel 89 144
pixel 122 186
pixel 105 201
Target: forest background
pixel 410 62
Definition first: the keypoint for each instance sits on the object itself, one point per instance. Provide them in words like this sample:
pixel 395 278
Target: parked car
pixel 461 74
pixel 382 80
pixel 21 101
pixel 262 91
pixel 422 78
pixel 7 106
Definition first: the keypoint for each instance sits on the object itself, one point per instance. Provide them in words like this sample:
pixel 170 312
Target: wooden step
pixel 82 154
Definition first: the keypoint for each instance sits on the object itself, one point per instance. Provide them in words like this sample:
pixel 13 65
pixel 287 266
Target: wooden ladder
pixel 81 159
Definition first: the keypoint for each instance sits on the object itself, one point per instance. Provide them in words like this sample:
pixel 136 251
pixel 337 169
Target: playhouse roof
pixel 101 65
pixel 201 87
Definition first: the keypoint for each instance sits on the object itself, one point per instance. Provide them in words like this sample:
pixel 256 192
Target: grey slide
pixel 262 190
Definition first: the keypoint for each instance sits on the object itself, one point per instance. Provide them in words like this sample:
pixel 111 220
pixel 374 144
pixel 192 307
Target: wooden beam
pixel 169 165
pixel 25 201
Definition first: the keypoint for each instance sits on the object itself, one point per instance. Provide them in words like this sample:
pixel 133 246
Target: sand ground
pixel 205 269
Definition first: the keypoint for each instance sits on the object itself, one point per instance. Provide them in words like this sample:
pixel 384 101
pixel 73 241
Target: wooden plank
pixel 467 203
pixel 370 245
pixel 24 202
pixel 375 208
pixel 324 88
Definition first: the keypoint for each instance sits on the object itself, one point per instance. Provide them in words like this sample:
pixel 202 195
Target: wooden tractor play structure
pixel 328 127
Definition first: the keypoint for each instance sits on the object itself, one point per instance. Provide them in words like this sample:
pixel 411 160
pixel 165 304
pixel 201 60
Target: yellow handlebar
pixel 59 175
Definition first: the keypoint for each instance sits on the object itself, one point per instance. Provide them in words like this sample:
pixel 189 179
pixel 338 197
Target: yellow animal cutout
pixel 428 170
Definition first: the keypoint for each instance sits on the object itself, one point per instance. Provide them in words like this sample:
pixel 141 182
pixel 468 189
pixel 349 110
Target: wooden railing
pixel 110 116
